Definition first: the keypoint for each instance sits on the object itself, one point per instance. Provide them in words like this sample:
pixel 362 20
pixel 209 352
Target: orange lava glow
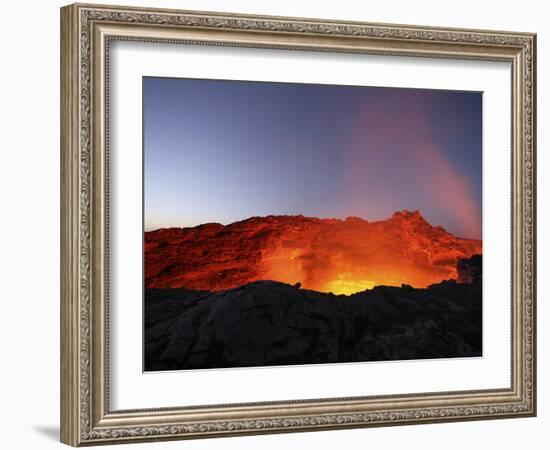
pixel 323 272
pixel 327 255
pixel 347 283
pixel 354 255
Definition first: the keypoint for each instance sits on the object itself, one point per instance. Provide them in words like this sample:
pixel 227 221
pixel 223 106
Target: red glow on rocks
pixel 327 255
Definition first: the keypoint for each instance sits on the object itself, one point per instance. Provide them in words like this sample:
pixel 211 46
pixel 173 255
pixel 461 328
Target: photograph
pixel 293 223
pixel 290 220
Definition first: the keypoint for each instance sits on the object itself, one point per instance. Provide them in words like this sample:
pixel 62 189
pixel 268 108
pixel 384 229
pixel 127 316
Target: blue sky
pixel 223 151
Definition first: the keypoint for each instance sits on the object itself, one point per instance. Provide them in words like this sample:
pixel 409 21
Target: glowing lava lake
pixel 325 255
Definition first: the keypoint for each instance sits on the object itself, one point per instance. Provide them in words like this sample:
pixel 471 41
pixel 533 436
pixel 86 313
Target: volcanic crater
pixel 325 255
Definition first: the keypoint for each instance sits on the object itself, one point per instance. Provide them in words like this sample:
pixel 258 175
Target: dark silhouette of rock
pixel 267 323
pixel 470 270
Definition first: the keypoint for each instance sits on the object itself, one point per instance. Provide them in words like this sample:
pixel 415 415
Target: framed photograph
pixel 274 224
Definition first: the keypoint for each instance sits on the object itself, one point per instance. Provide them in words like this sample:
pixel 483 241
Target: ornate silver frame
pixel 86 31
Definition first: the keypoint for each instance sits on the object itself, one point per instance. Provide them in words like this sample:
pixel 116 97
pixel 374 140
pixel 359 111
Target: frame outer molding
pixel 70 314
pixel 85 34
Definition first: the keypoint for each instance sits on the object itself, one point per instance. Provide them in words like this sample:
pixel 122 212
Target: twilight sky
pixel 222 151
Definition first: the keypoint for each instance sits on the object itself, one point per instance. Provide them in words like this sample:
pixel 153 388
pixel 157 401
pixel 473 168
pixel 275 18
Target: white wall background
pixel 29 225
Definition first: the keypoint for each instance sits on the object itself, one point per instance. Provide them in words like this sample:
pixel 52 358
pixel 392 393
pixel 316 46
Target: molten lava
pixel 327 255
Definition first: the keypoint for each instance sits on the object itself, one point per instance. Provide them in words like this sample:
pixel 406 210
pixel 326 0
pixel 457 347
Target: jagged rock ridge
pixel 327 255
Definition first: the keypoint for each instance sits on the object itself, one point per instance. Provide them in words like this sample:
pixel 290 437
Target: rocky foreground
pixel 268 323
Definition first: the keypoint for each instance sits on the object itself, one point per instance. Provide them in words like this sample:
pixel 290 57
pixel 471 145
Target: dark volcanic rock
pixel 470 270
pixel 269 323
